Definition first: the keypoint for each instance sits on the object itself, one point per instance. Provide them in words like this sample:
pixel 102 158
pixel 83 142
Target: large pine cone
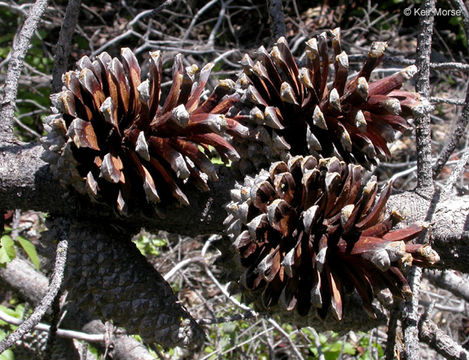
pixel 111 137
pixel 289 107
pixel 308 232
pixel 107 276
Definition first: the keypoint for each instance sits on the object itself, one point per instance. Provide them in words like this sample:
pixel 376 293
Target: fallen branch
pixel 32 286
pixel 44 305
pixel 438 340
pixel 451 281
pixel 64 45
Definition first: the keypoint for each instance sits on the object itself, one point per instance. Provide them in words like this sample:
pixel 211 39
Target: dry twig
pixel 63 48
pixel 44 305
pixel 15 65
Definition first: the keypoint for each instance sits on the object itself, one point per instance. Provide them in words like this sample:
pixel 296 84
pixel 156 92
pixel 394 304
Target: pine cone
pixel 289 107
pixel 308 232
pixel 111 137
pixel 108 276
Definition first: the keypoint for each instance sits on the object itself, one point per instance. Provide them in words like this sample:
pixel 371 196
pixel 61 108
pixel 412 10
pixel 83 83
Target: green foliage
pixel 149 245
pixel 331 345
pixel 5 328
pixel 30 250
pixel 8 247
pixel 365 344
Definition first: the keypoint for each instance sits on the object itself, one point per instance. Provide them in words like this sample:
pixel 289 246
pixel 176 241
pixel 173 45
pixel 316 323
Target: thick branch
pixel 441 342
pixel 451 281
pixel 25 183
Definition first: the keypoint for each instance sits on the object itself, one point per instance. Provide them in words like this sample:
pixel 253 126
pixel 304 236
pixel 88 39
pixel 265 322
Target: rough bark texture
pixel 64 45
pixel 442 343
pixel 108 276
pixel 277 19
pixel 32 285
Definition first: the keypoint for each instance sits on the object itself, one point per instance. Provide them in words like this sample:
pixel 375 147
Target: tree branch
pixel 441 342
pixel 18 52
pixel 70 334
pixel 25 183
pixel 277 19
pixel 32 285
pixel 45 303
pixel 455 138
pixel 422 121
pixel 424 169
pixel 449 280
pixel 63 48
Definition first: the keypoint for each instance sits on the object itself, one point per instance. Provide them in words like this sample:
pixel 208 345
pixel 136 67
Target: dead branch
pixel 45 303
pixel 451 281
pixel 32 285
pixel 440 341
pixel 453 141
pixel 63 48
pixel 277 19
pixel 424 174
pixel 15 65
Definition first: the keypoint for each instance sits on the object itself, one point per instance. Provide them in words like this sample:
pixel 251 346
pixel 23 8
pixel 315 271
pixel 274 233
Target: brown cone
pixel 115 137
pixel 308 232
pixel 289 107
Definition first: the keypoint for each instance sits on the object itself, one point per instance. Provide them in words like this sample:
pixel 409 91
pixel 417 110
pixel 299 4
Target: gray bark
pixel 32 286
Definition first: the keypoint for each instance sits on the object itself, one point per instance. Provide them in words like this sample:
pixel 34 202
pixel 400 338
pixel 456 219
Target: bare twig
pixel 394 316
pixel 411 316
pixel 62 51
pixel 453 141
pixel 196 17
pixel 44 305
pixel 71 334
pixel 440 341
pixel 465 15
pixel 53 327
pixel 18 52
pixel 277 19
pixel 439 100
pixel 456 173
pixel 451 281
pixel 422 121
pixel 317 343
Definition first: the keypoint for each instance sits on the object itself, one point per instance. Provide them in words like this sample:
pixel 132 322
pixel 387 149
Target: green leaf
pixel 7 355
pixel 349 349
pixel 29 249
pixel 7 249
pixel 11 312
